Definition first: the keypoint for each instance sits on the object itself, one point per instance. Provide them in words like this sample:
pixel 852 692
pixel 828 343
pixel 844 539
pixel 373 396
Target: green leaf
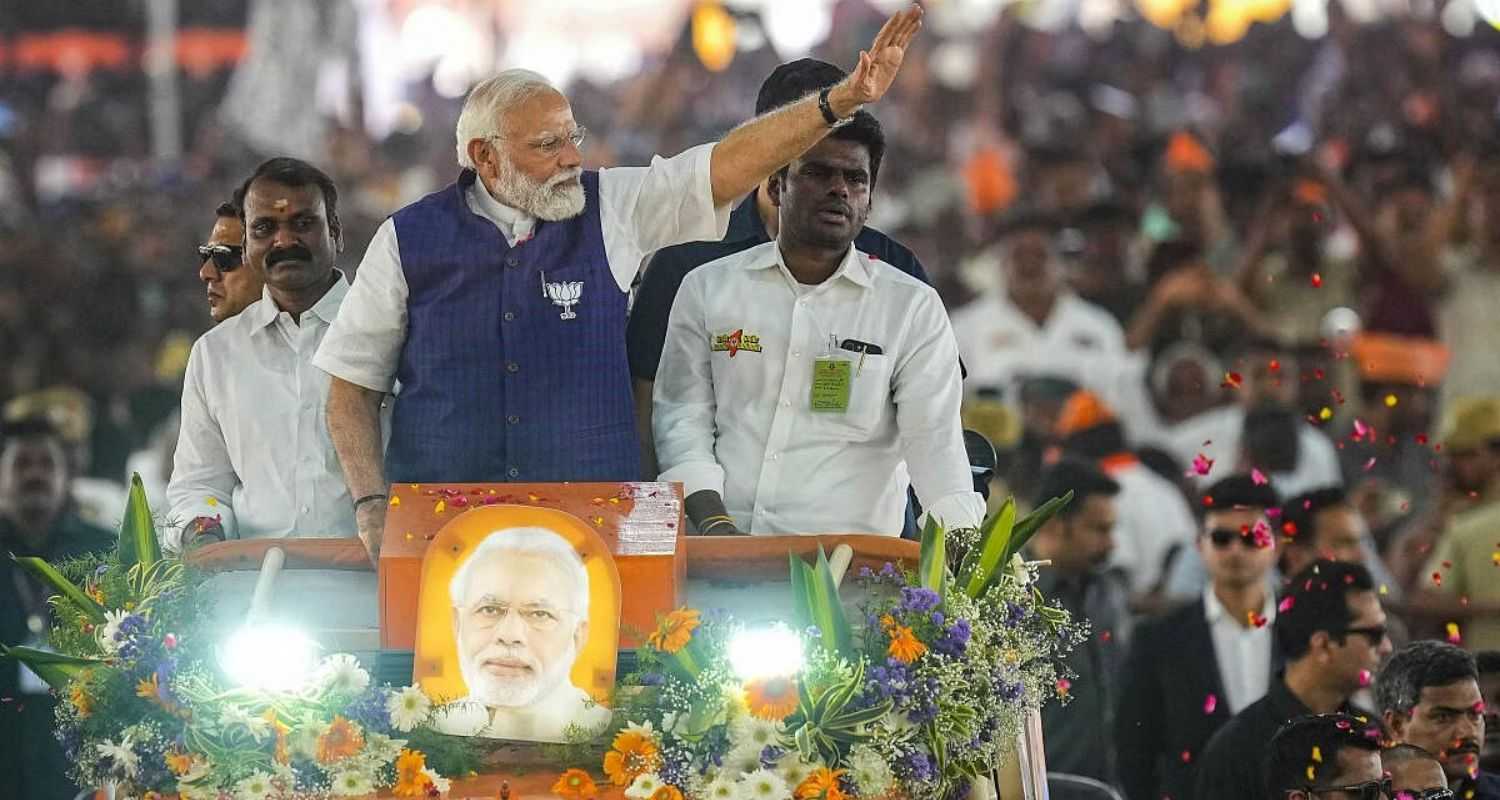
pixel 1031 523
pixel 56 669
pixel 138 543
pixel 831 620
pixel 49 574
pixel 932 565
pixel 994 541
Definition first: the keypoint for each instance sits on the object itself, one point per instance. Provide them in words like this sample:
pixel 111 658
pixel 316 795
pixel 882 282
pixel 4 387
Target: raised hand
pixel 878 66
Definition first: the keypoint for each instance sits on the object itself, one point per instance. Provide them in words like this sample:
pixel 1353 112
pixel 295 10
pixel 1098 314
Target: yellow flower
pixel 771 698
pixel 634 754
pixel 822 784
pixel 79 697
pixel 675 630
pixel 342 740
pixel 667 792
pixel 281 756
pixel 178 762
pixel 575 784
pixel 904 645
pixel 410 780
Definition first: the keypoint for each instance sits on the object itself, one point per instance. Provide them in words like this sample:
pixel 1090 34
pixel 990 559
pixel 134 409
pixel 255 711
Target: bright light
pixel 269 657
pixel 765 653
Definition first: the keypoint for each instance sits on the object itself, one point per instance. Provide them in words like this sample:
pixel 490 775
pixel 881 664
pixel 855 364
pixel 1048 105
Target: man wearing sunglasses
pixel 1323 757
pixel 1188 672
pixel 1414 774
pixel 1332 631
pixel 221 259
pixel 1428 695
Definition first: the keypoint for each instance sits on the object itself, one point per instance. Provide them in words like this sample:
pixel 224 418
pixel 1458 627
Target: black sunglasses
pixel 1369 790
pixel 227 257
pixel 1224 537
pixel 1435 793
pixel 1375 633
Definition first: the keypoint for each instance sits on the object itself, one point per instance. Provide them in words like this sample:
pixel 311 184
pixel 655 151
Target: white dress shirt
pixel 997 340
pixel 739 420
pixel 1242 650
pixel 1217 433
pixel 641 209
pixel 254 446
pixel 1152 518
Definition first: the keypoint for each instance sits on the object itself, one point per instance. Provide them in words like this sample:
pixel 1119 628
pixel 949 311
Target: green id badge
pixel 832 378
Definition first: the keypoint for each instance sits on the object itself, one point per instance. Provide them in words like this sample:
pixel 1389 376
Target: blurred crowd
pixel 1277 259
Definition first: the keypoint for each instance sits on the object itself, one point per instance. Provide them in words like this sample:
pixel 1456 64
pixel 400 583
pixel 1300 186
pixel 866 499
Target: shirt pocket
pixel 869 399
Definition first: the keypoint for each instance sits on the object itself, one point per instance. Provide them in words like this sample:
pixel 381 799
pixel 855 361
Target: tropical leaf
pixel 1031 523
pixel 56 669
pixel 47 573
pixel 932 565
pixel 138 543
pixel 831 620
pixel 994 540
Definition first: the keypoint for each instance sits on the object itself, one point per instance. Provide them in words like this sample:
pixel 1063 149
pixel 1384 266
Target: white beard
pixel 560 198
pixel 497 692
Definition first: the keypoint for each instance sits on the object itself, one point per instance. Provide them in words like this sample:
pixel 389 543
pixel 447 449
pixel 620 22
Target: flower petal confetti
pixel 1202 464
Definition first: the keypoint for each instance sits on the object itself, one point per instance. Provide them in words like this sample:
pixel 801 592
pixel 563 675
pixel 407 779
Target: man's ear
pixel 1319 642
pixel 774 185
pixel 1396 723
pixel 479 153
pixel 581 635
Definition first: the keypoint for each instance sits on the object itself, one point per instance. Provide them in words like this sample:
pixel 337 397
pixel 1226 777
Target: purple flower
pixel 937 618
pixel 866 572
pixel 1015 614
pixel 369 710
pixel 889 571
pixel 955 639
pixel 769 755
pixel 652 679
pixel 676 764
pixel 918 599
pixel 914 765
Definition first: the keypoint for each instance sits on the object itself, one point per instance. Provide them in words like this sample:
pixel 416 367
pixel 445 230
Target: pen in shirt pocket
pixel 863 348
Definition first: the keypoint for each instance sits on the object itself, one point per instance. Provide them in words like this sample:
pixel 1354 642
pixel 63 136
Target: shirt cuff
pixel 956 510
pixel 369 379
pixel 696 476
pixel 703 169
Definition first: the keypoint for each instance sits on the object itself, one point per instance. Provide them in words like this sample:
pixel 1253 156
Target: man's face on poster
pixel 518 626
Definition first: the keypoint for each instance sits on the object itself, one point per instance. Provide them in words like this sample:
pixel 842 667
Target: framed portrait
pixel 518 625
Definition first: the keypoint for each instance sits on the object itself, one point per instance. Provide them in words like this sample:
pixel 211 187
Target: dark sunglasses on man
pixel 1369 790
pixel 226 257
pixel 1435 793
pixel 1224 537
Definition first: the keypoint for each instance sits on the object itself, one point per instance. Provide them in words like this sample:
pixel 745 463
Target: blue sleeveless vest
pixel 495 384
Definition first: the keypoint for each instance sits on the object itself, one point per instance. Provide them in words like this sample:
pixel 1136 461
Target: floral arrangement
pixel 920 695
pixel 143 704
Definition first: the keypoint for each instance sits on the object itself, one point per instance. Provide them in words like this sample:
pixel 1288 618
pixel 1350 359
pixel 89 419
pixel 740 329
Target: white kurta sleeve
pixel 643 209
pixel 683 401
pixel 363 345
pixel 203 477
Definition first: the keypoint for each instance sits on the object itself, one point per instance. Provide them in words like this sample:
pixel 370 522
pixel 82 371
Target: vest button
pixel 513 419
pixel 509 315
pixel 511 261
pixel 511 366
pixel 513 472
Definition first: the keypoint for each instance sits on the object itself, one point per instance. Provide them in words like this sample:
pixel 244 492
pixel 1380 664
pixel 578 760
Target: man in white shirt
pixel 499 303
pixel 254 459
pixel 799 374
pixel 1033 325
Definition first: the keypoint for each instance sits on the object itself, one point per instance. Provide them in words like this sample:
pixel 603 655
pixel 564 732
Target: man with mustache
pixel 230 286
pixel 254 458
pixel 36 519
pixel 800 375
pixel 499 303
pixel 520 617
pixel 1428 695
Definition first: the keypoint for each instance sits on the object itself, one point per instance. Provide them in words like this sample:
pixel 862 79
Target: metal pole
pixel 161 73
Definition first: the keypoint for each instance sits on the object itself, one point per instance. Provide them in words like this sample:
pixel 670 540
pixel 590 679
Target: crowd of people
pixel 1236 299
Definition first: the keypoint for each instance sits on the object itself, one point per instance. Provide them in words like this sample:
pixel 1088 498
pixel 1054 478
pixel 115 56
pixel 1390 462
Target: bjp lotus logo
pixel 565 295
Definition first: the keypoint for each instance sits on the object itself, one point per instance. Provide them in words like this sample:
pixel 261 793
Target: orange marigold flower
pixel 80 699
pixel 178 762
pixel 410 780
pixel 667 792
pixel 342 740
pixel 575 784
pixel 772 698
pixel 675 630
pixel 904 645
pixel 281 756
pixel 633 755
pixel 821 784
pixel 887 621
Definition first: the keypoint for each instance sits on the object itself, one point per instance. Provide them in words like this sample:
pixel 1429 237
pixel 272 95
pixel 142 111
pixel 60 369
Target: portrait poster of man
pixel 518 625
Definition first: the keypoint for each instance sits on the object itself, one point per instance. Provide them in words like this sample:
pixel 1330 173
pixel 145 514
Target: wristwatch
pixel 833 120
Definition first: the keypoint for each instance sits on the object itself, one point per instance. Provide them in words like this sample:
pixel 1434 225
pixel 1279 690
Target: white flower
pixel 762 784
pixel 123 761
pixel 644 786
pixel 352 783
pixel 108 633
pixel 409 708
pixel 644 729
pixel 438 782
pixel 721 788
pixel 197 772
pixel 794 770
pixel 235 717
pixel 749 730
pixel 302 742
pixel 381 749
pixel 742 759
pixel 192 790
pixel 1019 571
pixel 256 787
pixel 342 673
pixel 869 771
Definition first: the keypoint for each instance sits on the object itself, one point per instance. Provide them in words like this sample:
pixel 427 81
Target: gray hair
pixel 542 542
pixel 491 98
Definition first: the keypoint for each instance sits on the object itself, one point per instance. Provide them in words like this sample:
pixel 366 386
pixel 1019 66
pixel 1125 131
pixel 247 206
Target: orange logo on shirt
pixel 735 342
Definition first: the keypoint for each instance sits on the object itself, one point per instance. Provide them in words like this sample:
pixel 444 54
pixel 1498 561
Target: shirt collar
pixel 853 267
pixel 265 312
pixel 516 223
pixel 1214 611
